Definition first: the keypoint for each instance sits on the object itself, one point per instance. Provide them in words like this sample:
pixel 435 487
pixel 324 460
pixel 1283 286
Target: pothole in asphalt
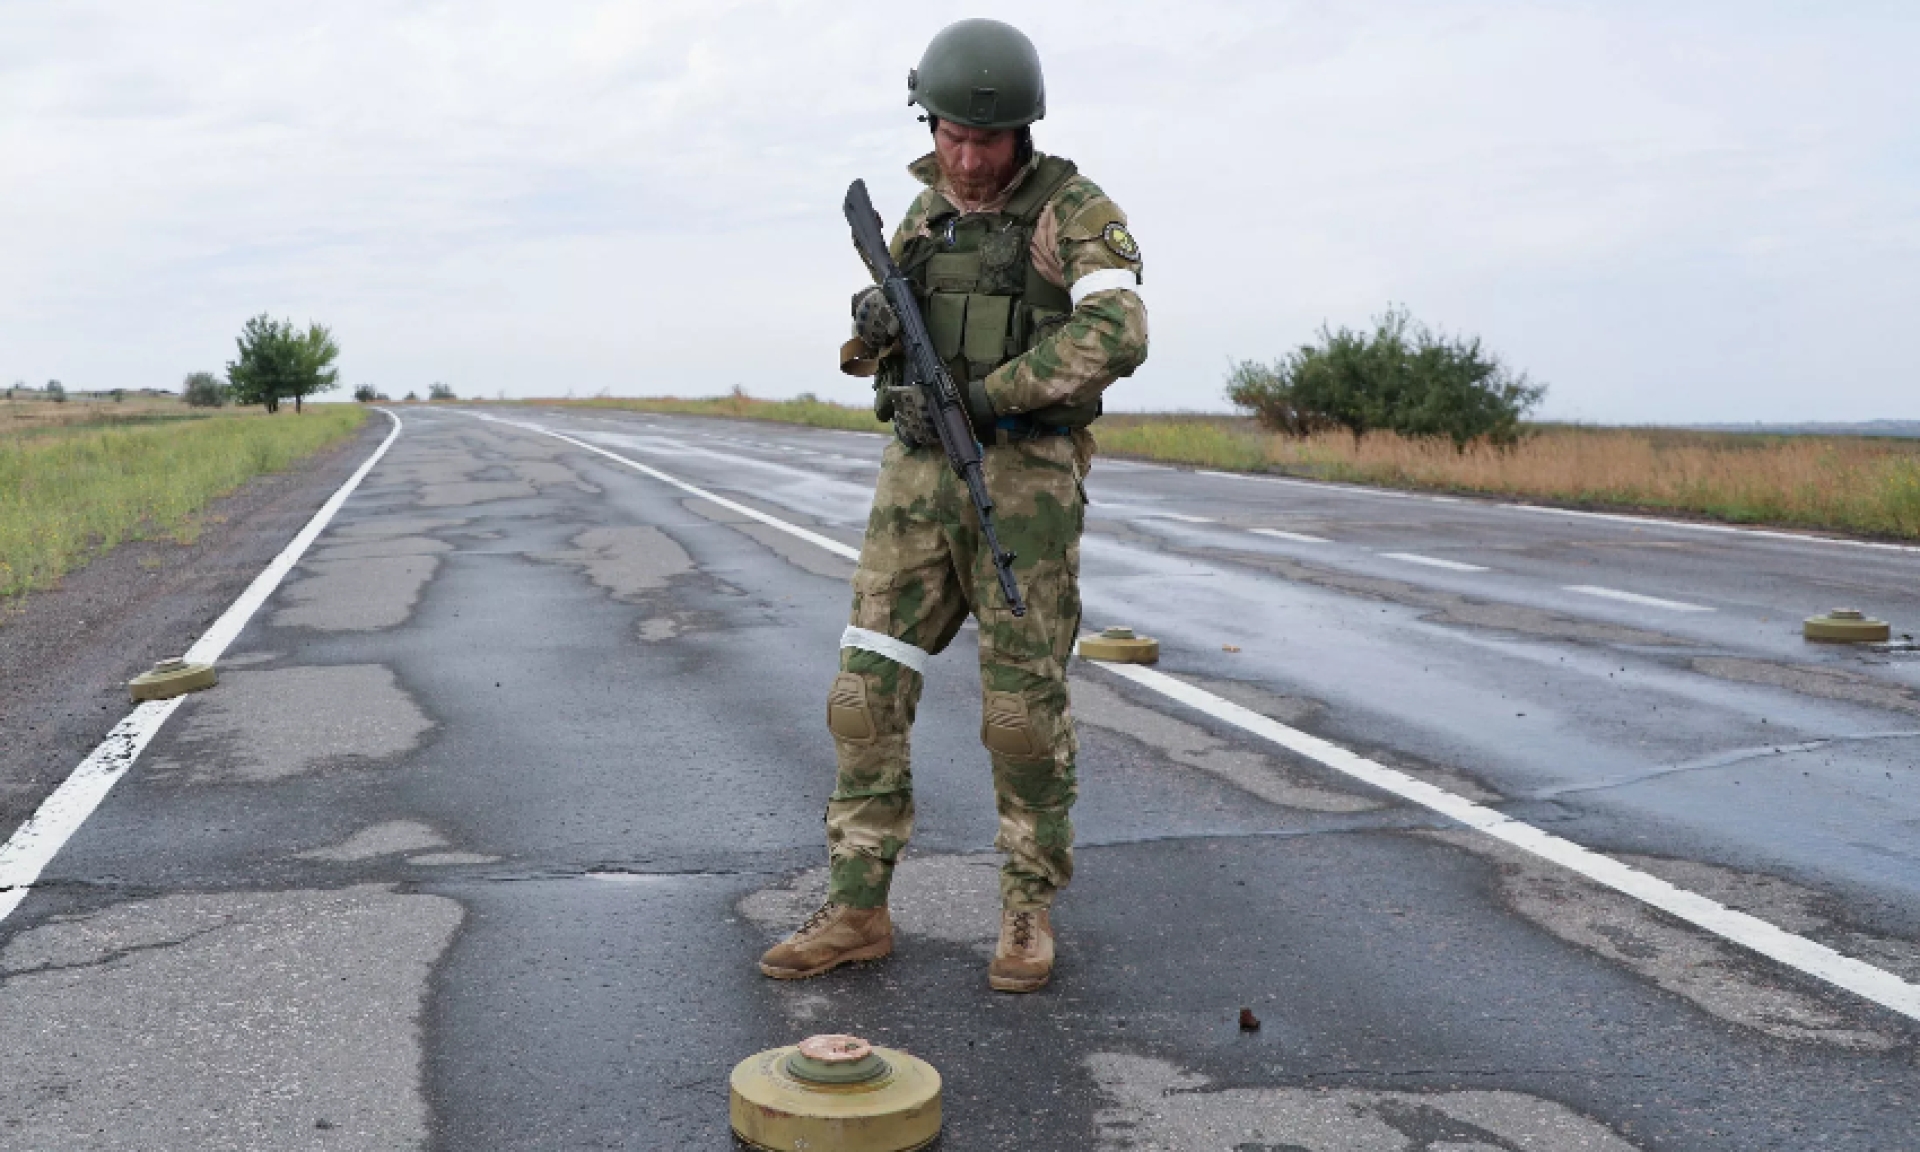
pixel 1154 1106
pixel 1716 976
pixel 269 725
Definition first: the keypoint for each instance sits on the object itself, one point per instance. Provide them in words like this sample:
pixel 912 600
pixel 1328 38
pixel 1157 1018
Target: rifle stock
pixel 926 372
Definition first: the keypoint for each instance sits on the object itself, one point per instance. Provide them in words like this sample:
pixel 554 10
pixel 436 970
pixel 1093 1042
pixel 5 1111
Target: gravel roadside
pixel 66 654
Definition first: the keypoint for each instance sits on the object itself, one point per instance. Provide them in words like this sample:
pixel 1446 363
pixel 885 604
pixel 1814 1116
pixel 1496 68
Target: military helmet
pixel 980 73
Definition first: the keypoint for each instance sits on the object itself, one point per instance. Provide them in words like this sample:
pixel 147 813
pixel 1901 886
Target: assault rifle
pixel 925 372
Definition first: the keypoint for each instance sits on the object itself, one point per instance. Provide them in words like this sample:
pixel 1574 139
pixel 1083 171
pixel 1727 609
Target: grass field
pixel 1868 487
pixel 72 488
pixel 1850 484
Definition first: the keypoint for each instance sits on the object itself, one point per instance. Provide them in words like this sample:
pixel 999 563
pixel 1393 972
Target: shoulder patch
pixel 1120 241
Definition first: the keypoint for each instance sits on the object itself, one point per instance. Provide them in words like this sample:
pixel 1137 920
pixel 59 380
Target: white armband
pixel 1105 280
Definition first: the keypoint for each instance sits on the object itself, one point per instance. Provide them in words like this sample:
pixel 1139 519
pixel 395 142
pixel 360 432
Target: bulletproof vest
pixel 983 300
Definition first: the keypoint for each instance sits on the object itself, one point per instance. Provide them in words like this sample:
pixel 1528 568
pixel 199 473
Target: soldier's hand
pixel 874 321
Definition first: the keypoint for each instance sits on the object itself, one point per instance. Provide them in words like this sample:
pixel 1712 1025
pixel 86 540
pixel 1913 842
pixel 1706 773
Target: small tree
pixel 439 391
pixel 203 390
pixel 365 394
pixel 413 397
pixel 278 360
pixel 56 392
pixel 1400 377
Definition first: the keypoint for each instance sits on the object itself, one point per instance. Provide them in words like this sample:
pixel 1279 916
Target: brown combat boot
pixel 1023 960
pixel 832 936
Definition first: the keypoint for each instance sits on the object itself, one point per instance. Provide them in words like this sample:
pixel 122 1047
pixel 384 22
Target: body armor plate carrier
pixel 985 303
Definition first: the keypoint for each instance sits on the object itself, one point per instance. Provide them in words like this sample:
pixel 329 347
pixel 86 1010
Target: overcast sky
pixel 1665 211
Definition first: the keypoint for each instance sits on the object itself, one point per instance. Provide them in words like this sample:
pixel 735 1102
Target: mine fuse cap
pixel 1121 646
pixel 834 1092
pixel 170 678
pixel 1846 626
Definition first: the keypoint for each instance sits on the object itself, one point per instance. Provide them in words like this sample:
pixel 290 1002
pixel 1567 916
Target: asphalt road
pixel 504 790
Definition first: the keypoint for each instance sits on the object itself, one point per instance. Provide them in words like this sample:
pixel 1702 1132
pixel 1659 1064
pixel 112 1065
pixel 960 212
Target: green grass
pixel 69 494
pixel 805 410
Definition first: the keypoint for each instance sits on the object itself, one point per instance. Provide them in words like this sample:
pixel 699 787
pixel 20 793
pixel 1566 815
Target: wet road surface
pixel 503 791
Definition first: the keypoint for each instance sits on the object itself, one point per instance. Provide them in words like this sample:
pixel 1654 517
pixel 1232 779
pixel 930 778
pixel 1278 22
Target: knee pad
pixel 849 716
pixel 1006 726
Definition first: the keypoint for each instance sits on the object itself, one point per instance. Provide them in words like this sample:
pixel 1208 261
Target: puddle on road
pixel 270 725
pixel 1154 1106
pixel 1718 977
pixel 238 1020
pixel 1446 607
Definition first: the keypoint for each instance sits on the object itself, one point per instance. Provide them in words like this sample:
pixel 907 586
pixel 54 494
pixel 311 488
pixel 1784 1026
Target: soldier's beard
pixel 979 186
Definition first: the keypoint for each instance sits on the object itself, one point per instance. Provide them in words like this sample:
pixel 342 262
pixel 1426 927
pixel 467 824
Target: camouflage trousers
pixel 923 569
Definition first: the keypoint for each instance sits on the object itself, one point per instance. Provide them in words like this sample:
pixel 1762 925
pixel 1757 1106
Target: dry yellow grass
pixel 23 416
pixel 1829 482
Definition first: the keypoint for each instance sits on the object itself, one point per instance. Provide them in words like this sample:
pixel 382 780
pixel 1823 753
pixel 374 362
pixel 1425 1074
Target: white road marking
pixel 1636 598
pixel 1319 485
pixel 34 844
pixel 1296 537
pixel 1797 952
pixel 1724 529
pixel 1178 516
pixel 1433 562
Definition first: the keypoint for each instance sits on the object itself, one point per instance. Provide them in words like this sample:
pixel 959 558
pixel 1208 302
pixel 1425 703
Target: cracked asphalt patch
pixel 266 1021
pixel 1154 1106
pixel 263 725
pixel 1266 777
pixel 1715 976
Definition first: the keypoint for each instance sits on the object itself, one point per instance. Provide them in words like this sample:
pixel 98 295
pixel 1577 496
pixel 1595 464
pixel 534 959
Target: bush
pixel 412 397
pixel 203 390
pixel 1401 377
pixel 56 392
pixel 439 391
pixel 365 394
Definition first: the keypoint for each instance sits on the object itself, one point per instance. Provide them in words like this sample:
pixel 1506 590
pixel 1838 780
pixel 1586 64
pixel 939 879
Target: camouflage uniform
pixel 924 569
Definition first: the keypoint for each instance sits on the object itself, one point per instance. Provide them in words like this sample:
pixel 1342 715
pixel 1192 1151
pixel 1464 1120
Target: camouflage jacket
pixel 1105 338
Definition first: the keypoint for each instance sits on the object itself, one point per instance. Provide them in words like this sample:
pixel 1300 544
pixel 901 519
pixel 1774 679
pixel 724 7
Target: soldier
pixel 1029 282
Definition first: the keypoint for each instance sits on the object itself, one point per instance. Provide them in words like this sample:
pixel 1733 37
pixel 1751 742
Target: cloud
pixel 1668 214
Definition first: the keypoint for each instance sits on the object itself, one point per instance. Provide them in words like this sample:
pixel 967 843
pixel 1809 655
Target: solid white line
pixel 1433 562
pixel 1178 516
pixel 1318 485
pixel 1297 537
pixel 1817 960
pixel 1797 952
pixel 34 844
pixel 1636 598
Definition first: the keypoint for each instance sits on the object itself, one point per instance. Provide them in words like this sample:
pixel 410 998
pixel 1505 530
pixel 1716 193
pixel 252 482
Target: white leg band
pixel 881 644
pixel 1105 280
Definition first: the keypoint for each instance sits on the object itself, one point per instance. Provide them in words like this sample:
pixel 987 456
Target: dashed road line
pixel 1796 952
pixel 1180 516
pixel 35 843
pixel 1434 562
pixel 1636 598
pixel 1296 537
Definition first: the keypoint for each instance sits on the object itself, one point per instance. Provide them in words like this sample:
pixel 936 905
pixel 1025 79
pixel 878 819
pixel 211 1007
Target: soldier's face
pixel 978 162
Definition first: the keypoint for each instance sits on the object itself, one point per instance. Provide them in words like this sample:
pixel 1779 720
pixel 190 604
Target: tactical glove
pixel 874 322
